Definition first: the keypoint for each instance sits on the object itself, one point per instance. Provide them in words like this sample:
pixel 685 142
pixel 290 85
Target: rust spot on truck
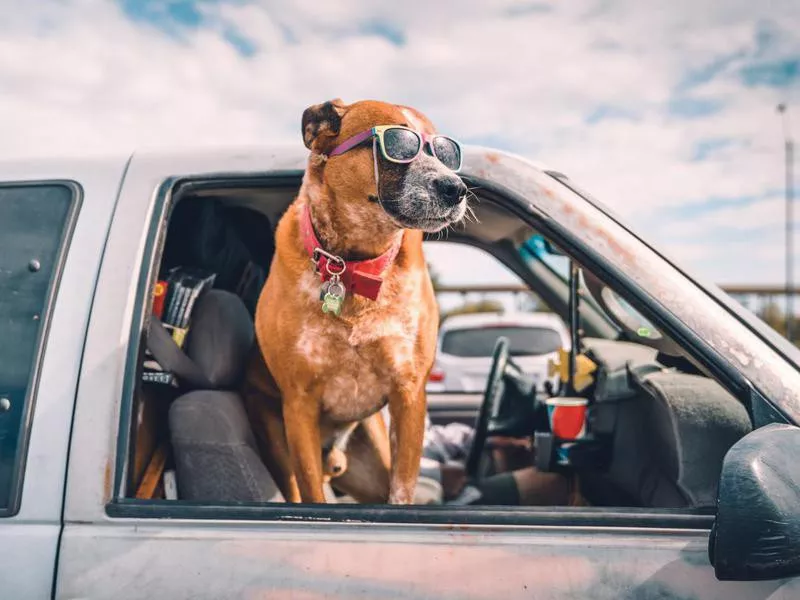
pixel 107 479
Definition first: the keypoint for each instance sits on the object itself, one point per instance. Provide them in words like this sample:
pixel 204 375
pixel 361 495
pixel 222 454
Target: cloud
pixel 654 109
pixel 693 108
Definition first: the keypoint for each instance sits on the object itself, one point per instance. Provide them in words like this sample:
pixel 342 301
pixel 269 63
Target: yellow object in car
pixel 584 368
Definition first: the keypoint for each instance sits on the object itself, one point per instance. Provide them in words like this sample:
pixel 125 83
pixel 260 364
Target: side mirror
pixel 756 535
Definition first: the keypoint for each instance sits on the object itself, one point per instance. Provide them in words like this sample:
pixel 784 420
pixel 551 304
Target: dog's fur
pixel 317 373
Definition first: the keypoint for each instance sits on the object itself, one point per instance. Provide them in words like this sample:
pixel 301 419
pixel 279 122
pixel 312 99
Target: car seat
pixel 669 430
pixel 215 451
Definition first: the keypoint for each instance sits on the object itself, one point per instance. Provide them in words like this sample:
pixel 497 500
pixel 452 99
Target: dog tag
pixel 332 304
pixel 324 290
pixel 334 297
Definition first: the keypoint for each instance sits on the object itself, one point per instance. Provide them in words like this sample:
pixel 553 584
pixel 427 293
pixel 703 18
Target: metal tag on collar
pixel 333 291
pixel 334 297
pixel 324 290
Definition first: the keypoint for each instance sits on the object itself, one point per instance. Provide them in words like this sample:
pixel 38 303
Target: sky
pixel 665 111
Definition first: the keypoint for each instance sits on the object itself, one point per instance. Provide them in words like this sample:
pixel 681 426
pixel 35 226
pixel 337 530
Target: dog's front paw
pixel 401 496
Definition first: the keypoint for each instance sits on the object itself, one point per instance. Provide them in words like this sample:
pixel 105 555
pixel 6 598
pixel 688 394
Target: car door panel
pixel 185 559
pixel 29 538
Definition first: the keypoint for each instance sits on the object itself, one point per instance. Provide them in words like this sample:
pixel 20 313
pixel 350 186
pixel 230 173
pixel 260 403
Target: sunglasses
pixel 402 145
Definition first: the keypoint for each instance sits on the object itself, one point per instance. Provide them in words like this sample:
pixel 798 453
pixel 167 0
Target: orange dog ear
pixel 321 124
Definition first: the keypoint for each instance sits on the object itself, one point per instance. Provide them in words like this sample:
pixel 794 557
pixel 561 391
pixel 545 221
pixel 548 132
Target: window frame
pixel 119 506
pixel 17 481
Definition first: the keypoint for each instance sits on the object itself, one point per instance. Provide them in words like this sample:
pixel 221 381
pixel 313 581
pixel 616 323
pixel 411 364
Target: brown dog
pixel 347 320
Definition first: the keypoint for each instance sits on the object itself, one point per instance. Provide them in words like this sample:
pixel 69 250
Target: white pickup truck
pixel 89 507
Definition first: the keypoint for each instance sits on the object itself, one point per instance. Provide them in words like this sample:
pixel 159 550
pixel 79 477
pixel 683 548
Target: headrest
pixel 220 337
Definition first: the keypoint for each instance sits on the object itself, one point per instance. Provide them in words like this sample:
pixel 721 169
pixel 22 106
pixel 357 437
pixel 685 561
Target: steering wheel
pixel 495 387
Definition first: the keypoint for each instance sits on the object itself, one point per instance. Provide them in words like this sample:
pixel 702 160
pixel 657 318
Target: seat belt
pixel 172 358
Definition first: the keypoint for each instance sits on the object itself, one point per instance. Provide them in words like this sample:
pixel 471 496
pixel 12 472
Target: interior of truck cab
pixel 655 425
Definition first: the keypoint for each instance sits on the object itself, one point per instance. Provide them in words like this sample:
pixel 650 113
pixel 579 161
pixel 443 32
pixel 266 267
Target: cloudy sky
pixel 663 110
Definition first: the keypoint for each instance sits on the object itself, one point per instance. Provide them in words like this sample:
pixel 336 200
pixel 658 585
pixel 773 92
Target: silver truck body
pixel 68 542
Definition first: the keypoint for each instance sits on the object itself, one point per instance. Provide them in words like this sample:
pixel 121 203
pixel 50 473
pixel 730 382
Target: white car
pixel 466 343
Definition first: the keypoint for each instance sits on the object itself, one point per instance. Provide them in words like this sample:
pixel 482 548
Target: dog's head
pixel 421 194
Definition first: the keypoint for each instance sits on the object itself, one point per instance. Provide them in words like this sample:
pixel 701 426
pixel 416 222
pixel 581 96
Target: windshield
pixel 537 246
pixel 637 321
pixel 523 341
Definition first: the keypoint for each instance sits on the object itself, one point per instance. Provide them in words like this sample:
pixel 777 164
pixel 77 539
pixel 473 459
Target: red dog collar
pixel 362 277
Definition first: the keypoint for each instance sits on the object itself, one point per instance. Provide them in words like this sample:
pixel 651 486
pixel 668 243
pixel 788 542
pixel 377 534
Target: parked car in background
pixel 466 343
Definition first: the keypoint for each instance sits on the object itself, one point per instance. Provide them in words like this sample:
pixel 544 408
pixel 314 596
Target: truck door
pixel 53 223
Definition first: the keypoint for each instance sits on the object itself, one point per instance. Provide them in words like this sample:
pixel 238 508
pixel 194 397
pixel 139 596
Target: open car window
pixel 469 280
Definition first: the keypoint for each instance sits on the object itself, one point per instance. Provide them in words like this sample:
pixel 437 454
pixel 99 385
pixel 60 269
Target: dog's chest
pixel 354 391
pixel 355 368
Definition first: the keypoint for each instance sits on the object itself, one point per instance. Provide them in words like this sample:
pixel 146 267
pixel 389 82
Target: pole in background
pixel 789 191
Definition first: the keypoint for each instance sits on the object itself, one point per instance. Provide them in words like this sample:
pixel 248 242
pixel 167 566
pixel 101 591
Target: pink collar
pixel 362 277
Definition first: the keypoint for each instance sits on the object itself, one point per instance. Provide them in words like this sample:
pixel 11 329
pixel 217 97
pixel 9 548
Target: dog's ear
pixel 321 124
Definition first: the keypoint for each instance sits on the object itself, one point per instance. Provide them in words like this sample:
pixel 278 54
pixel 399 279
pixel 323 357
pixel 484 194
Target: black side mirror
pixel 756 535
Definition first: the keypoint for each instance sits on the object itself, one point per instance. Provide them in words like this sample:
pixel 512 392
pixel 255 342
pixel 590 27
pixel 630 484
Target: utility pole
pixel 789 191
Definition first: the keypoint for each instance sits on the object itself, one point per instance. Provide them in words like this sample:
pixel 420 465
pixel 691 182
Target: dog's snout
pixel 450 189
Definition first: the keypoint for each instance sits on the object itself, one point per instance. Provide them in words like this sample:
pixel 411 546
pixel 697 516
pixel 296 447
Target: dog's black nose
pixel 450 189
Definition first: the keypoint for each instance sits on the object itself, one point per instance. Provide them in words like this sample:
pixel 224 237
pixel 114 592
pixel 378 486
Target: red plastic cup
pixel 567 417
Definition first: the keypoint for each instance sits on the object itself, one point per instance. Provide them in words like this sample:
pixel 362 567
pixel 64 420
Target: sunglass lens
pixel 401 144
pixel 448 151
